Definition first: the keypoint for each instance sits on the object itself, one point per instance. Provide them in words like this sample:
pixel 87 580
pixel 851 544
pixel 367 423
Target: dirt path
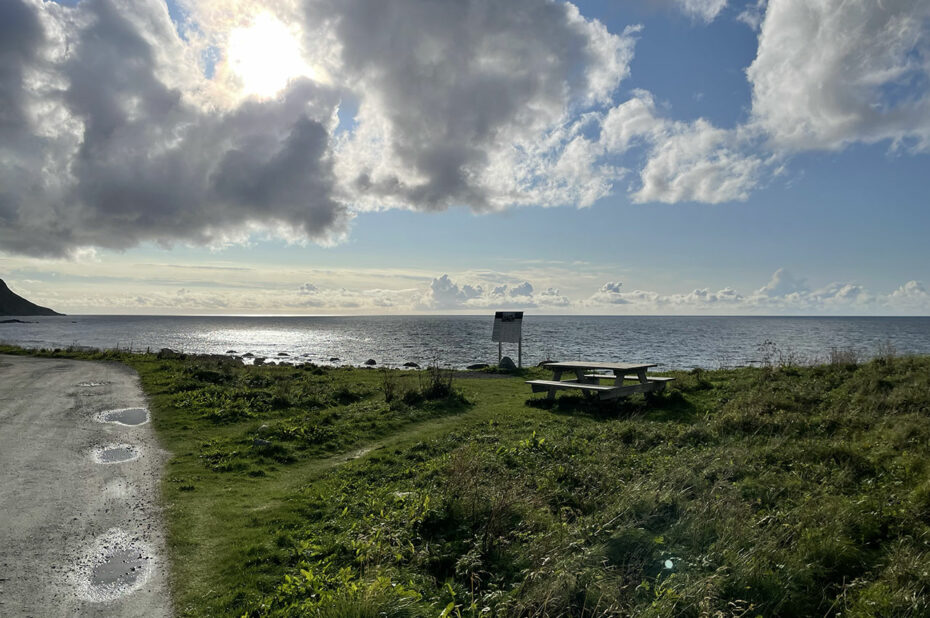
pixel 80 531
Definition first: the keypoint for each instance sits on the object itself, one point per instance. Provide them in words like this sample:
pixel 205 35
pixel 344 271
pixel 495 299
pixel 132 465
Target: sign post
pixel 508 327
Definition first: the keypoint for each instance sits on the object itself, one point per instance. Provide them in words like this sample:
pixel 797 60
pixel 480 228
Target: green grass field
pixel 776 491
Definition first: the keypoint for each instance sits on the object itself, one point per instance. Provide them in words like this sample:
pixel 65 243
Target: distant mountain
pixel 14 304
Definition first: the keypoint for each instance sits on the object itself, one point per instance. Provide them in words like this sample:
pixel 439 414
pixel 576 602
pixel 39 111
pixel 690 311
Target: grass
pixel 772 491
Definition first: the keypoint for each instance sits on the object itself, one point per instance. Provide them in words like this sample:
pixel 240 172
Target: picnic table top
pixel 599 365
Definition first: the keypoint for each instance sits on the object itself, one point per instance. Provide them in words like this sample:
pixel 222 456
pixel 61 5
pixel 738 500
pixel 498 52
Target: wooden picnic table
pixel 588 376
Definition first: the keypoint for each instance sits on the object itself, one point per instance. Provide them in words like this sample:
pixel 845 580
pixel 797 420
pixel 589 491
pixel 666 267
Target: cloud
pixel 643 301
pixel 911 289
pixel 471 102
pixel 782 283
pixel 119 127
pixel 753 14
pixel 270 291
pixel 445 294
pixel 115 131
pixel 784 294
pixel 116 156
pixel 684 161
pixel 705 10
pixel 698 162
pixel 831 73
pixel 609 294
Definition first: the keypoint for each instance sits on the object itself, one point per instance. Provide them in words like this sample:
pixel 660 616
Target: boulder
pixel 371 362
pixel 231 352
pixel 478 366
pixel 283 354
pixel 248 355
pixel 259 360
pixel 411 364
pixel 334 359
pixel 168 353
pixel 507 364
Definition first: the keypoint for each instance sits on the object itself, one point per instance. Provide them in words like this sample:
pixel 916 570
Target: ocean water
pixel 457 341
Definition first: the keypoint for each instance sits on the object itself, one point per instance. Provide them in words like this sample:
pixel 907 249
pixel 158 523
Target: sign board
pixel 508 327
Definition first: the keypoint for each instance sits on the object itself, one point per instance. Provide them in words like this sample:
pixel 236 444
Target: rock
pixel 371 362
pixel 263 428
pixel 271 363
pixel 283 354
pixel 334 359
pixel 260 442
pixel 14 304
pixel 478 366
pixel 507 363
pixel 411 364
pixel 231 352
pixel 248 355
pixel 259 360
pixel 168 353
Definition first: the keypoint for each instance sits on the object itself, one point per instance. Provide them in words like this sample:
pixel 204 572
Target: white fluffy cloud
pixel 705 10
pixel 685 161
pixel 782 283
pixel 698 162
pixel 833 72
pixel 446 294
pixel 783 294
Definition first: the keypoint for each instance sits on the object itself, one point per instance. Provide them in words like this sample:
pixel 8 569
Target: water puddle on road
pixel 125 416
pixel 114 566
pixel 115 453
pixel 91 384
pixel 121 568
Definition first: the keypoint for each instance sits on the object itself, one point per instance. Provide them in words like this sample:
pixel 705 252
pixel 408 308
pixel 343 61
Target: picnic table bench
pixel 588 376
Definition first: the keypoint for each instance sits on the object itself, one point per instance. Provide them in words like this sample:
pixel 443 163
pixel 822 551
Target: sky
pixel 462 156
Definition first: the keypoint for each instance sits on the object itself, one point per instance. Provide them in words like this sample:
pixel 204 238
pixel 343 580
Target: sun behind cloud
pixel 265 56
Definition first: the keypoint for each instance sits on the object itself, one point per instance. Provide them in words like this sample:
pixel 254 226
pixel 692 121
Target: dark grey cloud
pixel 21 35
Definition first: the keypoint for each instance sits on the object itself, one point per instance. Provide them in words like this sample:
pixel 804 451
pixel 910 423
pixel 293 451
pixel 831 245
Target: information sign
pixel 508 327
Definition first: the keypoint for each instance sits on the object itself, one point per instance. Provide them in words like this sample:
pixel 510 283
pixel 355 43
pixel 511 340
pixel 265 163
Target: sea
pixel 459 341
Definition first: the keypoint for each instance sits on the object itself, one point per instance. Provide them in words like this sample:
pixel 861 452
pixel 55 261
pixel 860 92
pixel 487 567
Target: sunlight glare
pixel 265 56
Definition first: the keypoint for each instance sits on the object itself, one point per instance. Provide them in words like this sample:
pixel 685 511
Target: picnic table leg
pixel 658 386
pixel 579 373
pixel 556 376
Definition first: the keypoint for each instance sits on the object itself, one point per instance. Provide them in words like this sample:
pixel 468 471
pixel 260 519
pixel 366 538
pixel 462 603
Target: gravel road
pixel 80 528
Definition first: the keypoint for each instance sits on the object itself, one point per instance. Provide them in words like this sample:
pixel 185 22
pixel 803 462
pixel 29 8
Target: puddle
pixel 125 416
pixel 115 453
pixel 121 568
pixel 91 384
pixel 114 566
